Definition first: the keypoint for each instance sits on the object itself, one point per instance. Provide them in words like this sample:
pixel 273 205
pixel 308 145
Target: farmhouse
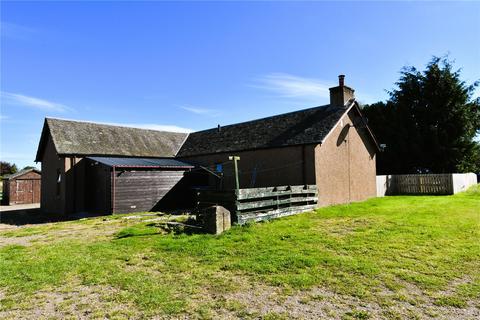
pixel 104 168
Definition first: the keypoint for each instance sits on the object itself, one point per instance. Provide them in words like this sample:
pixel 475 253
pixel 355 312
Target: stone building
pixel 329 146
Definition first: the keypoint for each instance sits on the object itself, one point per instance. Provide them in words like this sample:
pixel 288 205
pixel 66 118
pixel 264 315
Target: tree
pixel 7 168
pixel 429 122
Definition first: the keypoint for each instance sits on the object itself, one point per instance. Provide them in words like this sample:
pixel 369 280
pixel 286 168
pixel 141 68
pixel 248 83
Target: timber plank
pixel 243 218
pixel 274 202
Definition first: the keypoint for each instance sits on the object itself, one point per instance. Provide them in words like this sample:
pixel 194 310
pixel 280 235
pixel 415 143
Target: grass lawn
pixel 393 257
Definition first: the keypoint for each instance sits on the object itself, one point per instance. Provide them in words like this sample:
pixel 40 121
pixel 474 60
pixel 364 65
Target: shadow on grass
pixel 36 216
pixel 152 229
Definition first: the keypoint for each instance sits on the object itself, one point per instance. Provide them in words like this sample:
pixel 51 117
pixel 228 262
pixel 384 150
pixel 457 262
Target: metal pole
pixel 235 167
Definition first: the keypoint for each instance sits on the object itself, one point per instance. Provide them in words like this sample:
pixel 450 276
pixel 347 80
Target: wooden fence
pixel 258 204
pixel 423 184
pixel 441 184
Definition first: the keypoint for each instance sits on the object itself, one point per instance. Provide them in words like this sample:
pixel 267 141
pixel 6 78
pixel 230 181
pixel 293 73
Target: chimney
pixel 340 95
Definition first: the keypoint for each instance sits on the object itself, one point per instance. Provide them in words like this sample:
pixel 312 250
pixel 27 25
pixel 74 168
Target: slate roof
pixel 142 162
pixel 86 138
pixel 308 126
pixel 20 173
pixel 295 128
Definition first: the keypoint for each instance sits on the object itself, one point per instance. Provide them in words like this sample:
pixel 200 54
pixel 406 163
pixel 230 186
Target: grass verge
pixel 382 251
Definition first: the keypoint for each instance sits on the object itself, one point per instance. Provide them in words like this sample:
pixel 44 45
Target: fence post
pixel 235 167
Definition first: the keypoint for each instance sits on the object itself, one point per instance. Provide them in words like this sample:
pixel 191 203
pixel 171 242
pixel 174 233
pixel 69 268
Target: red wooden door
pixel 24 191
pixel 36 191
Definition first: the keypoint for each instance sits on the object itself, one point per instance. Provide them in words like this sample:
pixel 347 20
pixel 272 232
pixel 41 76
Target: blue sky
pixel 191 65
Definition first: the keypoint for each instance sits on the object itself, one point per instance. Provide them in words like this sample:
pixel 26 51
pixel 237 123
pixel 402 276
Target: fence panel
pixel 423 184
pixel 258 204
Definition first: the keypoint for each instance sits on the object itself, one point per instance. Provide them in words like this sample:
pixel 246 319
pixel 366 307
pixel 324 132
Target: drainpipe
pixel 304 166
pixel 349 168
pixel 113 190
pixel 73 168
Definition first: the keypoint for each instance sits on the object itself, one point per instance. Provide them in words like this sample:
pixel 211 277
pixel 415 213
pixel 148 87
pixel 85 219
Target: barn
pixel 97 167
pixel 22 187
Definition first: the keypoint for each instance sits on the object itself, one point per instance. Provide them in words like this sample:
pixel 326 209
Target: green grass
pixel 358 250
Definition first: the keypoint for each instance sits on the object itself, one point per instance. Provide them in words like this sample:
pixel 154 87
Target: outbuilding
pixel 79 158
pixel 22 187
pixel 123 185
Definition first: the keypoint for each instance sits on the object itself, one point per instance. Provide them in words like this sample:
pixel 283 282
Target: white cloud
pixel 291 86
pixel 158 127
pixel 16 31
pixel 203 111
pixel 151 126
pixel 33 102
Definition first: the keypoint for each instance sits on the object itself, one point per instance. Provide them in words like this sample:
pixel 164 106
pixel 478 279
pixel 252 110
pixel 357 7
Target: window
pixel 219 178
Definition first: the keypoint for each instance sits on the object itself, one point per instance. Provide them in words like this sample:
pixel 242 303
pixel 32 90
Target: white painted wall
pixel 382 185
pixel 462 181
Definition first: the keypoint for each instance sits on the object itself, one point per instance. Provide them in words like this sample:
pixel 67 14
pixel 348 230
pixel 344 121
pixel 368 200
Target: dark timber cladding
pixel 142 190
pixel 140 184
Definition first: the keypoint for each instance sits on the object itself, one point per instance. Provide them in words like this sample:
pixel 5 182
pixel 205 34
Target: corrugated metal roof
pixel 142 162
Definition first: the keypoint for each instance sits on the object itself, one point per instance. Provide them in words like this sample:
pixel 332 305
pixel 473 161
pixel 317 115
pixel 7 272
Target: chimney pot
pixel 341 94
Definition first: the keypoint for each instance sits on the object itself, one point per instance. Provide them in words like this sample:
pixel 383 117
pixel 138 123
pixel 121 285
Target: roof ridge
pixel 181 145
pixel 264 118
pixel 305 126
pixel 21 172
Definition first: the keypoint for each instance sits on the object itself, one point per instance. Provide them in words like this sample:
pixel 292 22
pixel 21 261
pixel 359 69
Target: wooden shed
pixel 122 185
pixel 22 187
